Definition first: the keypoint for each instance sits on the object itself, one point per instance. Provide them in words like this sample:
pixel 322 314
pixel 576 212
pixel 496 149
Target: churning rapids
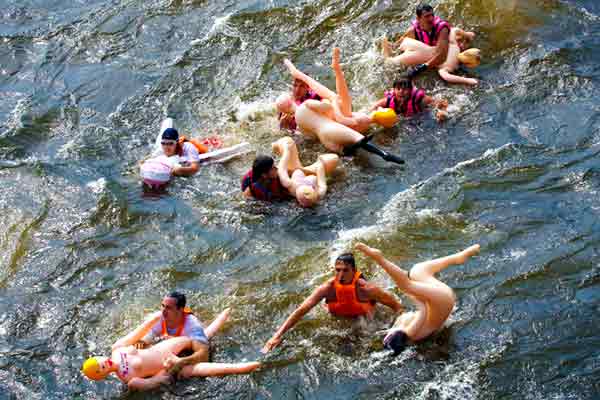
pixel 84 255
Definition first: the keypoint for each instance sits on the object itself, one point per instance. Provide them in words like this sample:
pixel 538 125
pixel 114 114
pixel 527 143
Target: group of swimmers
pixel 172 343
pixel 153 353
pixel 320 113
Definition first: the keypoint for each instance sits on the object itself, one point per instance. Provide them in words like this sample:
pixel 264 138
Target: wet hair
pixel 261 165
pixel 170 134
pixel 404 82
pixel 346 258
pixel 179 299
pixel 397 342
pixel 421 8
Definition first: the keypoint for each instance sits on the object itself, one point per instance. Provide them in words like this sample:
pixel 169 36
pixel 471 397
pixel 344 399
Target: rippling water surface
pixel 84 255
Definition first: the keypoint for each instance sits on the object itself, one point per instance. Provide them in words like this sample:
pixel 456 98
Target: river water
pixel 84 255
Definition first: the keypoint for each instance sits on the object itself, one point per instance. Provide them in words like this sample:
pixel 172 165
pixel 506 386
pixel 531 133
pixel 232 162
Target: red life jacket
pixel 275 191
pixel 413 106
pixel 201 147
pixel 346 302
pixel 432 37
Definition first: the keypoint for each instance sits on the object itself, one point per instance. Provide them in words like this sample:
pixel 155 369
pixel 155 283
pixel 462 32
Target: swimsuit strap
pixel 123 366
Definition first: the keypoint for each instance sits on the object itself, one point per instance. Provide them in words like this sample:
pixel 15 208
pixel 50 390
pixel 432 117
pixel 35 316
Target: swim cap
pixel 385 117
pixel 170 134
pixel 396 342
pixel 91 368
pixel 470 58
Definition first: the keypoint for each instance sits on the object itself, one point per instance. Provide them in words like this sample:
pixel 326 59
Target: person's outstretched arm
pixel 381 296
pixel 440 104
pixel 139 332
pixel 380 103
pixel 305 307
pixel 188 170
pixel 193 159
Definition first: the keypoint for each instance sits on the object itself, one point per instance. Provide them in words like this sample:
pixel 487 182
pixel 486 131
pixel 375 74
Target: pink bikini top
pixel 305 180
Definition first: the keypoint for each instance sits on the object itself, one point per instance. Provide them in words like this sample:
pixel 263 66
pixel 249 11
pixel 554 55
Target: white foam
pixel 219 25
pixel 516 254
pixel 455 382
pixel 249 111
pixel 404 208
pixel 97 186
pixel 14 120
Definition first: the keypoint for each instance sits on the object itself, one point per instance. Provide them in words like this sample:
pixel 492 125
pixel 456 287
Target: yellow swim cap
pixel 385 117
pixel 91 368
pixel 470 58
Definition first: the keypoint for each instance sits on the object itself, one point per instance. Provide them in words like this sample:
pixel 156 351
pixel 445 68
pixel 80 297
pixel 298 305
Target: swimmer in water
pixel 262 182
pixel 348 295
pixel 148 368
pixel 307 184
pixel 415 52
pixel 407 100
pixel 431 30
pixel 327 121
pixel 189 158
pixel 433 298
pixel 340 101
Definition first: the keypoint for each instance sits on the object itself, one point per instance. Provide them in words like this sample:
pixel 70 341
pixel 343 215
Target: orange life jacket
pixel 201 147
pixel 346 302
pixel 165 333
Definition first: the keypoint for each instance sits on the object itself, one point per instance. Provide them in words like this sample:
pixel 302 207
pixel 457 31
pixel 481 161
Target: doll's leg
pixel 451 78
pixel 218 369
pixel 344 101
pixel 217 323
pixel 329 162
pixel 425 270
pixel 287 150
